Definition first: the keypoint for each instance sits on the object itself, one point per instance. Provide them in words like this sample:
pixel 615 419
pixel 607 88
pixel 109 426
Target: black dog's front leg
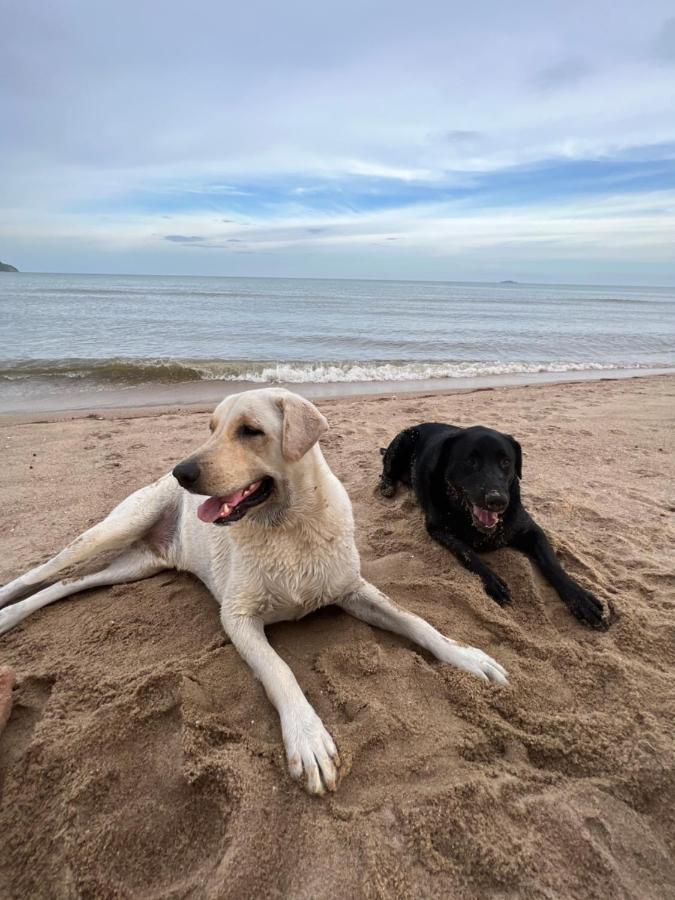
pixel 584 605
pixel 493 584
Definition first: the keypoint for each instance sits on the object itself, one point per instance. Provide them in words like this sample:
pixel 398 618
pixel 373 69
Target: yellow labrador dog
pixel 288 549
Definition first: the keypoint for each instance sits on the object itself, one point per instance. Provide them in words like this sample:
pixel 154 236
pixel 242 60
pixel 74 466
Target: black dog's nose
pixel 187 473
pixel 496 501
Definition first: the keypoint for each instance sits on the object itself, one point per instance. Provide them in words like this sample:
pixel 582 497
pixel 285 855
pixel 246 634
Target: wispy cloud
pixel 664 45
pixel 563 74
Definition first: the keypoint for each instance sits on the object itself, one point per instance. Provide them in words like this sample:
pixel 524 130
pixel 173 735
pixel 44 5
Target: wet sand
pixel 57 397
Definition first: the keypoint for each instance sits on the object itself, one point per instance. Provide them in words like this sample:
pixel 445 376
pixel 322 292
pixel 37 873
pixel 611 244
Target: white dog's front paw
pixel 473 660
pixel 312 755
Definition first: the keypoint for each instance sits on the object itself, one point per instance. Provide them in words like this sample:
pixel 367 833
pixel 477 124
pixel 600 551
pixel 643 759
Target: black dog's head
pixel 482 468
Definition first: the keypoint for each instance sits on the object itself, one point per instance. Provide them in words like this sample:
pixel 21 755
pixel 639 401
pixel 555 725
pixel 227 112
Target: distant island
pixel 5 267
pixel 508 281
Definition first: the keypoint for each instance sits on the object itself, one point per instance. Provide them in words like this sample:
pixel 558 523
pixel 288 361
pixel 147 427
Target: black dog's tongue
pixel 486 516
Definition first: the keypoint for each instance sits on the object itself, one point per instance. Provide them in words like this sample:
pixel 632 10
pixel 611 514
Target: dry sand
pixel 7 682
pixel 141 759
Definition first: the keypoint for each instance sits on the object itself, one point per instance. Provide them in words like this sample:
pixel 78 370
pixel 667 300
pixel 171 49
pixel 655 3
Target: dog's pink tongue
pixel 486 516
pixel 209 510
pixel 212 509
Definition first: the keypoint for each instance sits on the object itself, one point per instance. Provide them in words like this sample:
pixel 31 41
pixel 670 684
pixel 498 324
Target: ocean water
pixel 65 336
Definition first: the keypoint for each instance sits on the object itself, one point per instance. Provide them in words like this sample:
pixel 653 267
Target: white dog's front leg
pixel 310 750
pixel 374 607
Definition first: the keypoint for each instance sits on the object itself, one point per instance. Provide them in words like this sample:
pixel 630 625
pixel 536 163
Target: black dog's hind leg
pixel 397 461
pixel 493 584
pixel 586 607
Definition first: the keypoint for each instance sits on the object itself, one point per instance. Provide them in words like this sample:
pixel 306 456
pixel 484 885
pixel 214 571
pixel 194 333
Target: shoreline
pixel 155 398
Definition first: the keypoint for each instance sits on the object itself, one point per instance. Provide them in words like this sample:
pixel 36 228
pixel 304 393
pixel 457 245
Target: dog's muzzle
pixel 486 517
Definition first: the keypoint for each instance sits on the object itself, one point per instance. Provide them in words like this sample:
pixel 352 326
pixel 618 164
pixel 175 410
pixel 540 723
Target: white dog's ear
pixel 302 427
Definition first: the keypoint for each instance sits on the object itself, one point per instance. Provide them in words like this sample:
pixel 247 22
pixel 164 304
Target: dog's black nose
pixel 496 501
pixel 187 473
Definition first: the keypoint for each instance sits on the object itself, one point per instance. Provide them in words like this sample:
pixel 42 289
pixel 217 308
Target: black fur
pixel 462 474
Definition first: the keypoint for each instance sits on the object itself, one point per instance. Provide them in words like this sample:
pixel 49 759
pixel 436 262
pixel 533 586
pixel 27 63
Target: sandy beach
pixel 141 759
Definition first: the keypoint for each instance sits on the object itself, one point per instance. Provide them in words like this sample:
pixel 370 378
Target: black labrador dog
pixel 467 481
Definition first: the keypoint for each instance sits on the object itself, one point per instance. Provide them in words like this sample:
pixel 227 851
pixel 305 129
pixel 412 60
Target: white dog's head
pixel 258 439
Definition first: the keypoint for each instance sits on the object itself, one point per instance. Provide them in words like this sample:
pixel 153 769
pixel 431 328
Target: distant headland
pixel 5 267
pixel 508 281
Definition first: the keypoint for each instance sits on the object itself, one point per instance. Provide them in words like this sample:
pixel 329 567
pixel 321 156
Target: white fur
pixel 289 556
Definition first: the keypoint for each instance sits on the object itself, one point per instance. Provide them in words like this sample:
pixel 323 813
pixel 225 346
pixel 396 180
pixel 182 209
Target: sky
pixel 482 141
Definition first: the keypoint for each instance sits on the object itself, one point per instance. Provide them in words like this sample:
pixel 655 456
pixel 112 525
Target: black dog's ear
pixel 444 454
pixel 519 455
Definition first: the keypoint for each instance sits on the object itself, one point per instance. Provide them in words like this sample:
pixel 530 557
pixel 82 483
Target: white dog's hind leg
pixel 134 564
pixel 310 750
pixel 376 608
pixel 128 522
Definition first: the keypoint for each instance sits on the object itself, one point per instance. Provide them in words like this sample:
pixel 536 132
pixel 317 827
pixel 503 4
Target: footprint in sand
pixel 152 814
pixel 31 699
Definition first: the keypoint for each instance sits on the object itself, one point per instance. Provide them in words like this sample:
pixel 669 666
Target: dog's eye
pixel 473 462
pixel 249 431
pixel 505 463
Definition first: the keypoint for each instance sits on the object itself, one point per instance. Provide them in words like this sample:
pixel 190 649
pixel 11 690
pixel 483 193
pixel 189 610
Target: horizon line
pixel 504 282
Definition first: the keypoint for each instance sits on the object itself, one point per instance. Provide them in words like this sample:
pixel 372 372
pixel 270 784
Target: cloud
pixel 183 238
pixel 459 138
pixel 563 74
pixel 664 45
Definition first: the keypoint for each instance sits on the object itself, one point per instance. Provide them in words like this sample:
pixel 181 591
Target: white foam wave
pixel 303 373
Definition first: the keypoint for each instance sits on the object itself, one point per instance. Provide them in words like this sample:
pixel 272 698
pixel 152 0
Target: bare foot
pixel 7 680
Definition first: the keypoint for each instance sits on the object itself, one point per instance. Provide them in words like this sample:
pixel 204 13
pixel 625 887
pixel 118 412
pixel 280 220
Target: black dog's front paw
pixel 496 588
pixel 586 607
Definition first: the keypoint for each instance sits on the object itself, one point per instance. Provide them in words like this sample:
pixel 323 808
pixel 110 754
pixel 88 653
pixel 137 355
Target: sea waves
pixel 173 370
